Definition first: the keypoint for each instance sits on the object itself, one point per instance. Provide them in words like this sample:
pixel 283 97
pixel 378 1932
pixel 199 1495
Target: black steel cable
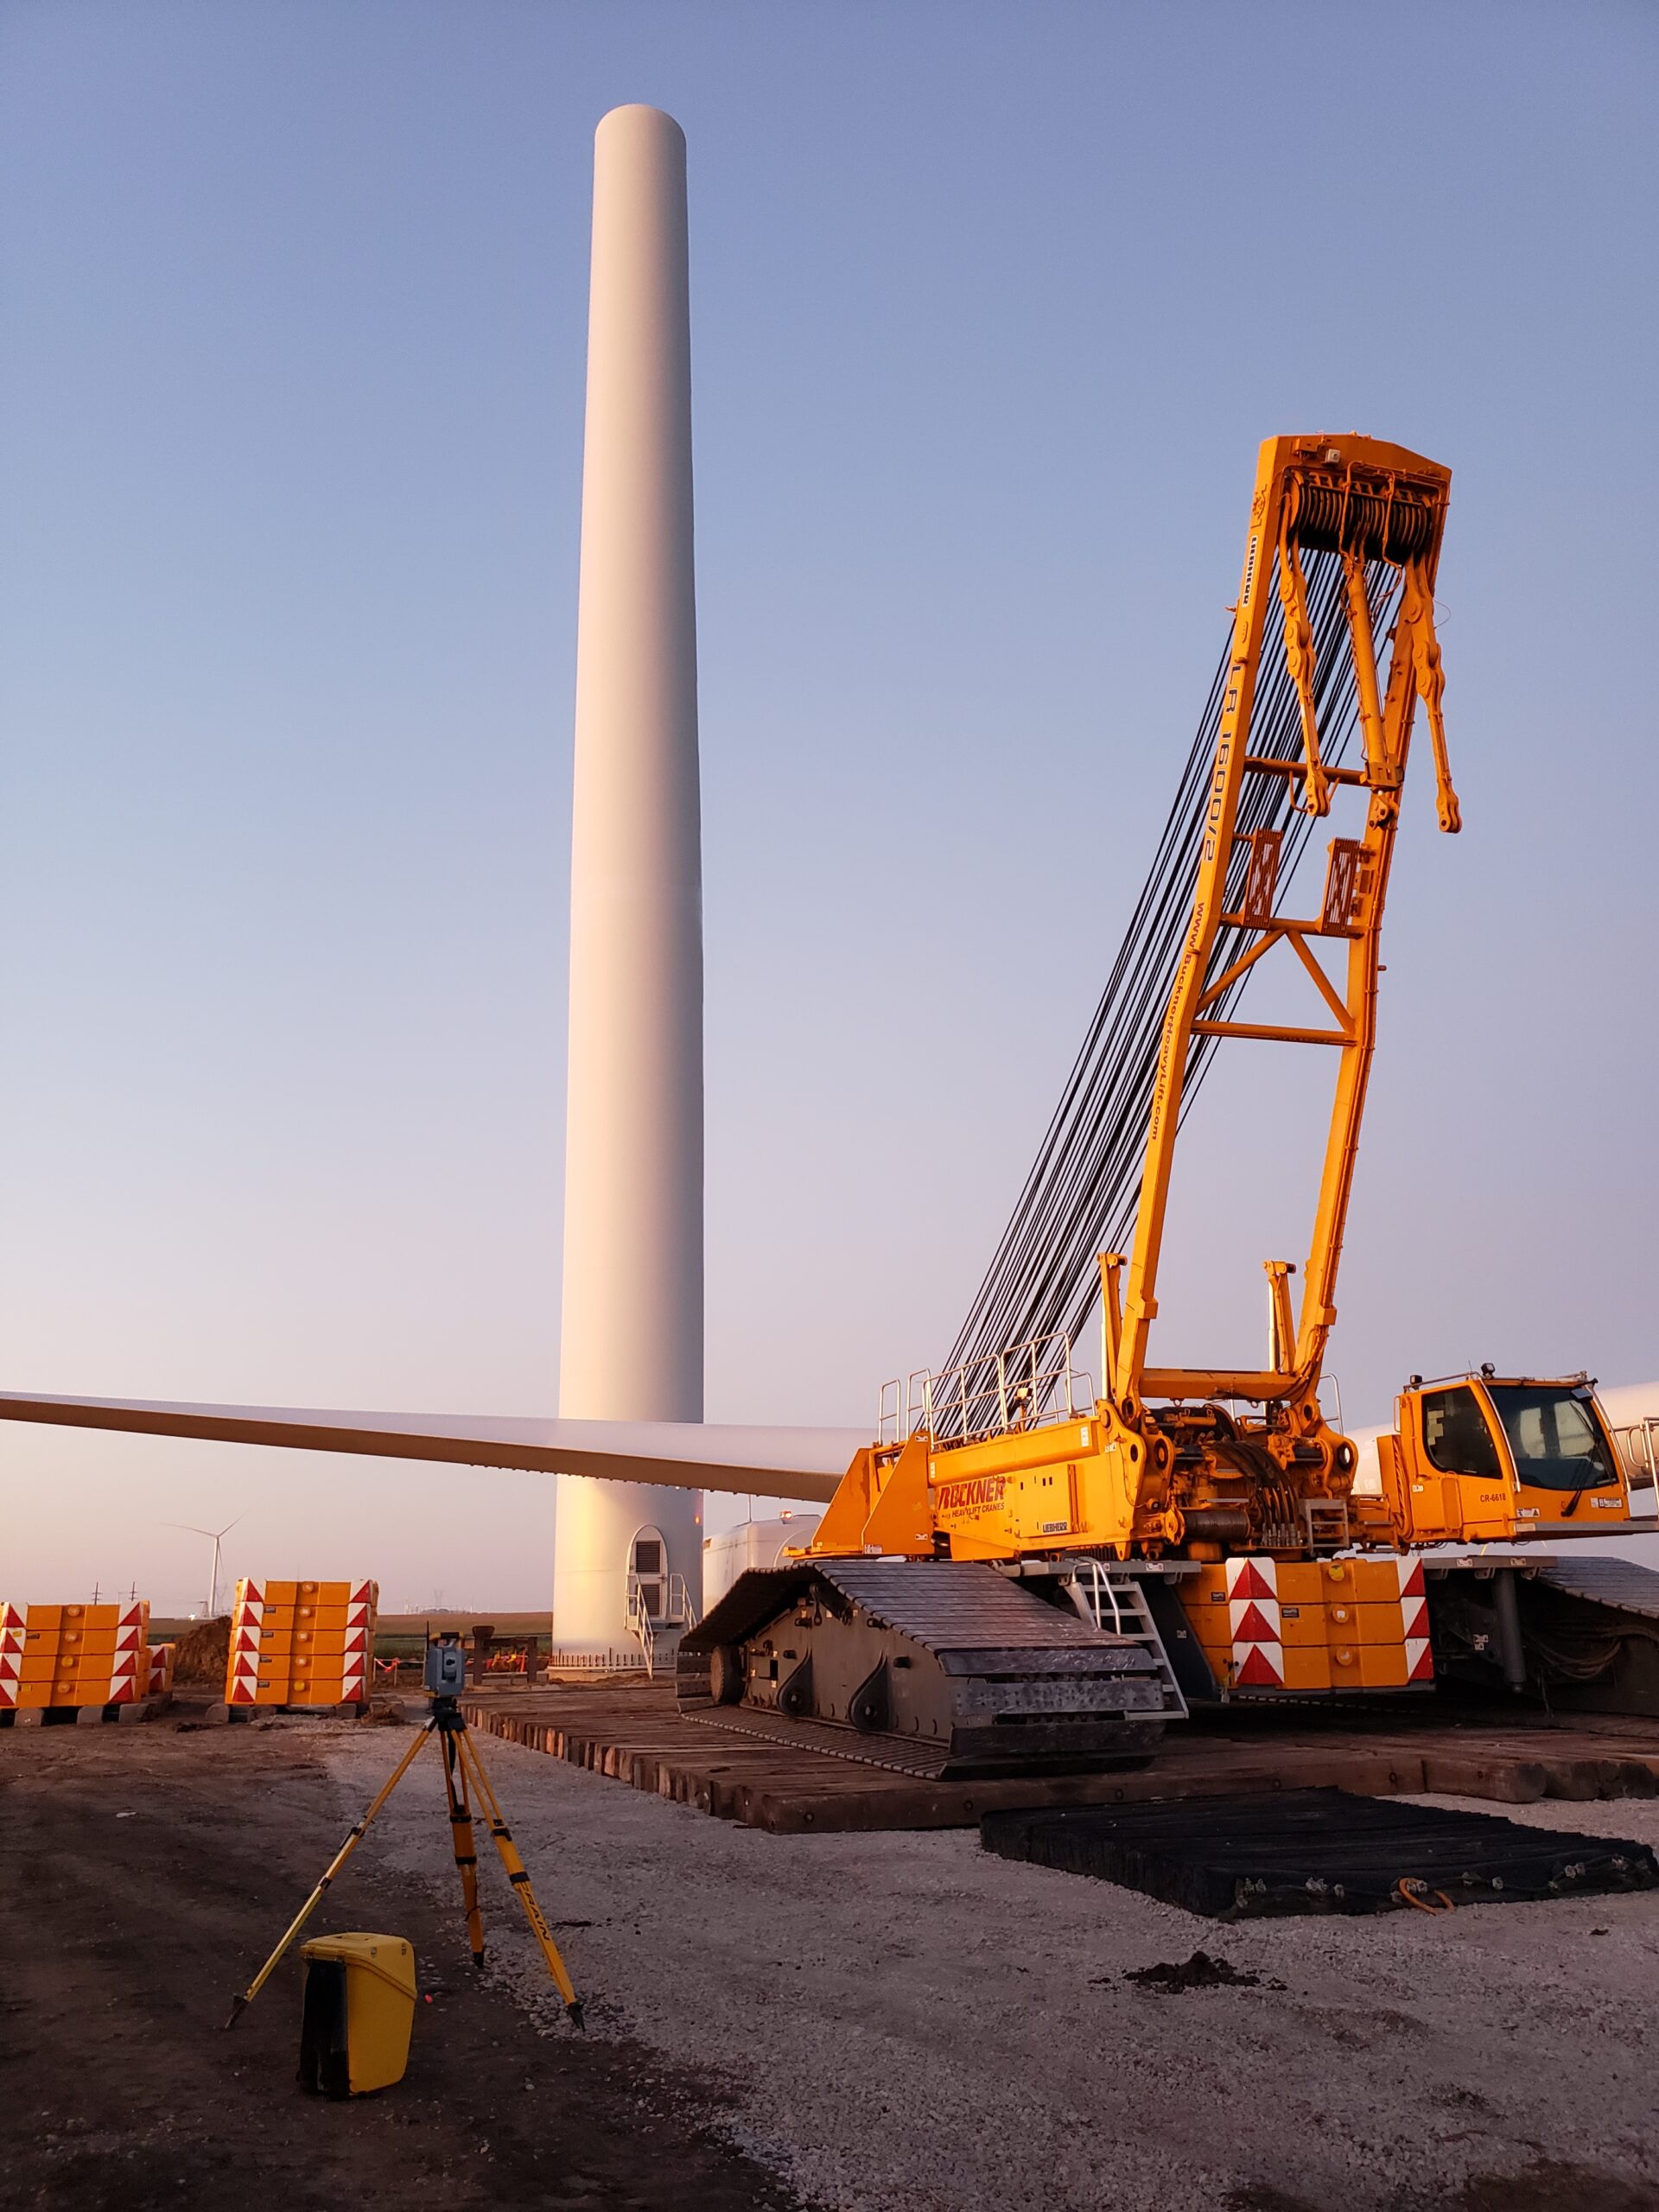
pixel 1082 1191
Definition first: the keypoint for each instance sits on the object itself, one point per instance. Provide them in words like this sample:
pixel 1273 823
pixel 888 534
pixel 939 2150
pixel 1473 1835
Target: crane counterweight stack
pixel 1204 1520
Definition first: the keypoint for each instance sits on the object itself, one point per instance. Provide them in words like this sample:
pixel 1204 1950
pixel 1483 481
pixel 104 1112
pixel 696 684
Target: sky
pixel 992 305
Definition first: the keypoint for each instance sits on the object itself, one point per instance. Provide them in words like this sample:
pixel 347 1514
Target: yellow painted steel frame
pixel 1306 490
pixel 1122 1478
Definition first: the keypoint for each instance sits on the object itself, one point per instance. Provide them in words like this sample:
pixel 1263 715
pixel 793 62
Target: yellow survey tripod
pixel 445 1677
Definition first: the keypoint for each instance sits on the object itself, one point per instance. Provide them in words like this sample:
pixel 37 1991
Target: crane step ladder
pixel 1112 1597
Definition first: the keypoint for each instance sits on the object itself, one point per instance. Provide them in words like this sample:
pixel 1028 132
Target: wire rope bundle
pixel 1082 1191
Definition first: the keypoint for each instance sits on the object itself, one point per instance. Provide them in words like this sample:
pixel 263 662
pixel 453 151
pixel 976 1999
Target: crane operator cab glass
pixel 1557 1444
pixel 1455 1436
pixel 1521 1452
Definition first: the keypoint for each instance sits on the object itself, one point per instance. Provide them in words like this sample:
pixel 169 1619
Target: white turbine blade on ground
pixel 804 1462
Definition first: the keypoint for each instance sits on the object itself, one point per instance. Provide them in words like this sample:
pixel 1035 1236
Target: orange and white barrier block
pixel 56 1656
pixel 301 1644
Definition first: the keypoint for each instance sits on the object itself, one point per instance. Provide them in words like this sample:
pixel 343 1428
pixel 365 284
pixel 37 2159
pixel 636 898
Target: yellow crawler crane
pixel 1021 1569
pixel 1163 1462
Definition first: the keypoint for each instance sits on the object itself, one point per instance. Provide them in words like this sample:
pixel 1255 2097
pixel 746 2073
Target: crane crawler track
pixel 939 1668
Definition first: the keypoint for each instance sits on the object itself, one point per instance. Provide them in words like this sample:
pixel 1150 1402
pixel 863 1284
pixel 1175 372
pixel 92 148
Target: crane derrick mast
pixel 1283 1477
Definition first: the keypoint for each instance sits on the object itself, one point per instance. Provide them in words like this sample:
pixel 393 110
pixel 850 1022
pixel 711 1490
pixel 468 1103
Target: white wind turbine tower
pixel 631 1450
pixel 631 1347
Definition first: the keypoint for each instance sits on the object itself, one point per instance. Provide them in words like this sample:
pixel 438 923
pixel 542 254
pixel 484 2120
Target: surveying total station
pixel 463 1772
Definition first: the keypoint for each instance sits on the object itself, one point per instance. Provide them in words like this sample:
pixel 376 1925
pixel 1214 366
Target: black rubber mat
pixel 1281 1852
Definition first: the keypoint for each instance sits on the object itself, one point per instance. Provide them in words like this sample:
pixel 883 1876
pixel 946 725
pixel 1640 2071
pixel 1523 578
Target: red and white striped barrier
pixel 11 1651
pixel 1258 1635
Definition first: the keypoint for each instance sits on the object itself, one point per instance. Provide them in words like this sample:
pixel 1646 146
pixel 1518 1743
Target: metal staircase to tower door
pixel 660 1611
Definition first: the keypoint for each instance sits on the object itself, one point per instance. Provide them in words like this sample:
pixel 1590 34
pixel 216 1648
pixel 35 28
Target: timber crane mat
pixel 939 1668
pixel 1292 1852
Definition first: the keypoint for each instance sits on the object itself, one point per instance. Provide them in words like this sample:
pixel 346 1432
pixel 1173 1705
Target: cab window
pixel 1455 1434
pixel 1554 1437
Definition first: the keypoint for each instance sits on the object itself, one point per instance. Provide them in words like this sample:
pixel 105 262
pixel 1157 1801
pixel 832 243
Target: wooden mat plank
pixel 635 1736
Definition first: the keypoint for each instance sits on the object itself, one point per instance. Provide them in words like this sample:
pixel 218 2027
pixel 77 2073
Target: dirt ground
pixel 145 1873
pixel 876 2023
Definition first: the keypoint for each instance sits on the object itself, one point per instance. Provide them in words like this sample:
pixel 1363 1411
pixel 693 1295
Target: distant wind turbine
pixel 216 1536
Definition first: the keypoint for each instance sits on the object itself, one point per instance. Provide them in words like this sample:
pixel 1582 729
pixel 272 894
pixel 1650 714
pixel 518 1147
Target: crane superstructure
pixel 1169 1461
pixel 1022 1567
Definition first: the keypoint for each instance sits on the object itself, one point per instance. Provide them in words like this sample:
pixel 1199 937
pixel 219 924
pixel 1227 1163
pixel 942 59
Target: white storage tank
pixel 752 1543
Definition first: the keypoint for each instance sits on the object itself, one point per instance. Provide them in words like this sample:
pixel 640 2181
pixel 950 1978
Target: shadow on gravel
pixel 1548 2186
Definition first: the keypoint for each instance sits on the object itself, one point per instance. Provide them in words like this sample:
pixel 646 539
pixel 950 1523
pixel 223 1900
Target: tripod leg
pixel 239 2004
pixel 501 1836
pixel 460 1832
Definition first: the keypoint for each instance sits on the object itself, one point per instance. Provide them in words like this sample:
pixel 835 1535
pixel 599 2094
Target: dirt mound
pixel 201 1654
pixel 1200 1971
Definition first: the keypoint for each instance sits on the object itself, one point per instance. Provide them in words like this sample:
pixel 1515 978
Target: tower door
pixel 648 1564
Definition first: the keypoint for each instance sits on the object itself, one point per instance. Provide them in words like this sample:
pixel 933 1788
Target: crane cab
pixel 1486 1458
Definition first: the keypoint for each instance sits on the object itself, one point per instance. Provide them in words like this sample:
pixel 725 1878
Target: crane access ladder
pixel 1112 1596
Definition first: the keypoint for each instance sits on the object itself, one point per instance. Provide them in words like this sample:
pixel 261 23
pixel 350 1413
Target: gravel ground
pixel 144 1873
pixel 905 2024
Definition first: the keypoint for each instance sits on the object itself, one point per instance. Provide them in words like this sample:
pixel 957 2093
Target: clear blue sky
pixel 992 305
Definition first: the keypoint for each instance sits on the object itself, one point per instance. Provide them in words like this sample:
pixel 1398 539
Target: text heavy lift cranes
pixel 1022 1569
